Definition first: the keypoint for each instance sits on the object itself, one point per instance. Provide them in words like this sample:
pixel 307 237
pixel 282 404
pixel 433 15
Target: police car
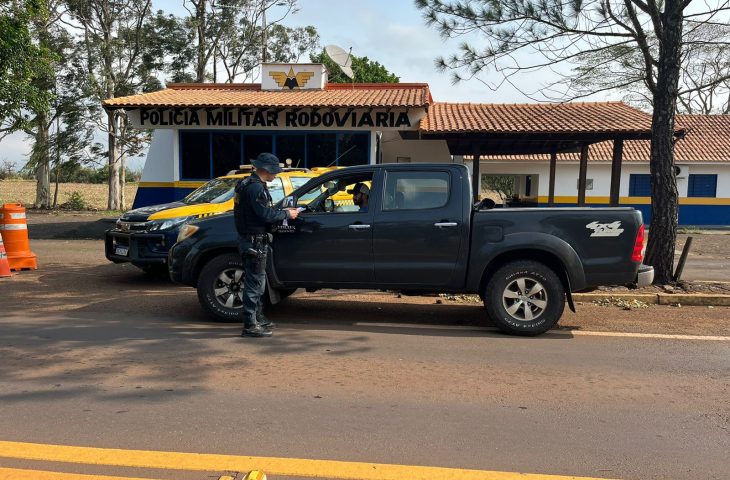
pixel 143 236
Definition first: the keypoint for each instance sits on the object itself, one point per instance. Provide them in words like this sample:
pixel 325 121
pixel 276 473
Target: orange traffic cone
pixel 4 265
pixel 14 227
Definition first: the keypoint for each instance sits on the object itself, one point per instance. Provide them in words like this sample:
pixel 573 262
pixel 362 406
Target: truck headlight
pixel 186 231
pixel 167 224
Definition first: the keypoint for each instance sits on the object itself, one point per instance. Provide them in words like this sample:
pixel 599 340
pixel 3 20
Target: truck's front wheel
pixel 220 287
pixel 524 297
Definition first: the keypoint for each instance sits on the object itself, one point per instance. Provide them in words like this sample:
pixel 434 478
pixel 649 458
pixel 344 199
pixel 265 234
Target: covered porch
pixel 512 131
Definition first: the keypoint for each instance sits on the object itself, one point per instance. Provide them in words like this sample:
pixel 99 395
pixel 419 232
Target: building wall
pixel 692 211
pixel 431 151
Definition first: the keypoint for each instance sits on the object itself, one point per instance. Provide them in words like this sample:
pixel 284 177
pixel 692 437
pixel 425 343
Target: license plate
pixel 123 251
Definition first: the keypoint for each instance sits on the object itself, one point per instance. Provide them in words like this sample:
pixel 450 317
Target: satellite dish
pixel 342 58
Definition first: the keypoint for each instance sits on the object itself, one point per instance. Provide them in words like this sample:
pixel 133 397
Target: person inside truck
pixel 360 196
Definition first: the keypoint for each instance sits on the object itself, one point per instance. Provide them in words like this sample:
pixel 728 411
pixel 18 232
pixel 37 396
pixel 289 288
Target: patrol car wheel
pixel 220 287
pixel 524 298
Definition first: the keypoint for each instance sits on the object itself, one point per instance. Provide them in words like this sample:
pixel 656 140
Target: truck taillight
pixel 638 254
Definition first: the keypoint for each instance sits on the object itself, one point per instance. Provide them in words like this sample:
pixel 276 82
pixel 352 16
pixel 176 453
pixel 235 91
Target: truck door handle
pixel 445 224
pixel 358 226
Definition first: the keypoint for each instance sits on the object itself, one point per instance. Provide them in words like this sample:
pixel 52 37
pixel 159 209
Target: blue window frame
pixel 206 154
pixel 639 185
pixel 702 185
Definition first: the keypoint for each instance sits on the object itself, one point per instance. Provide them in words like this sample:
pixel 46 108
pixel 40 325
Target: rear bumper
pixel 137 248
pixel 645 275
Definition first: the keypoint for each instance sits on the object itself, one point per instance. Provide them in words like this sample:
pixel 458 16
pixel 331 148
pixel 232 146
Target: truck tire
pixel 524 297
pixel 220 287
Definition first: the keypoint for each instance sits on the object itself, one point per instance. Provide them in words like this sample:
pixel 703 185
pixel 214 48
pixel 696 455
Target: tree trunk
pixel 200 65
pixel 55 191
pixel 113 201
pixel 663 231
pixel 42 158
pixel 122 175
pixel 58 161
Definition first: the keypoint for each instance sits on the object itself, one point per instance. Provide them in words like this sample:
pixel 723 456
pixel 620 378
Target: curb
pixel 688 299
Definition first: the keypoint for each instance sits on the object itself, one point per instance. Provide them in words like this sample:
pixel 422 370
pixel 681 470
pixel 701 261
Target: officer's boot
pixel 263 321
pixel 254 329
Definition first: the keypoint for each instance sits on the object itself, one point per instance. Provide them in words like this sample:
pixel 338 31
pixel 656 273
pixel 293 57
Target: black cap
pixel 268 162
pixel 359 188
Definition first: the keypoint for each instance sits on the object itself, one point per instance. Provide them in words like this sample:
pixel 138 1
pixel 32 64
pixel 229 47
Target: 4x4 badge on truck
pixel 605 229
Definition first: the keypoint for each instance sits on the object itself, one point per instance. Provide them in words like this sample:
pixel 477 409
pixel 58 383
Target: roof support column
pixel 476 179
pixel 553 164
pixel 582 172
pixel 618 149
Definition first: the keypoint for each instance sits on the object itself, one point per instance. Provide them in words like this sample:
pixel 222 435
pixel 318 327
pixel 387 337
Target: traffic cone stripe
pixel 4 263
pixel 14 229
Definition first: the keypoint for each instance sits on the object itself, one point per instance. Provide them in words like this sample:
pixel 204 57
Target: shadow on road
pixel 116 334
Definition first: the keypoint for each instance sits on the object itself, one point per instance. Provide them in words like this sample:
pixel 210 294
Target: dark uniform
pixel 254 215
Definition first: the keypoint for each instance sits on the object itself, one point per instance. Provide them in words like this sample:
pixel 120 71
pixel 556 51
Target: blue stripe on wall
pixel 156 195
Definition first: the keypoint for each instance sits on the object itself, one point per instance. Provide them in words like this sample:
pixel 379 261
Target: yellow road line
pixel 20 474
pixel 271 465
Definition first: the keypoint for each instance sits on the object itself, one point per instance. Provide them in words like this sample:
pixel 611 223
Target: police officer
pixel 254 215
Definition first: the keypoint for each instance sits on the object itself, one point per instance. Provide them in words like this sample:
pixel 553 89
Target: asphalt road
pixel 99 355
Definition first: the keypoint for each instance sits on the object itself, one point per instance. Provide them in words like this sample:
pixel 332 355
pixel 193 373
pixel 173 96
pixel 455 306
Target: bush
pixel 76 201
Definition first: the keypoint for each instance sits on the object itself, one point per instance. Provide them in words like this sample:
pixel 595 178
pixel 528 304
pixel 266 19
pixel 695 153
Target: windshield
pixel 218 190
pixel 297 182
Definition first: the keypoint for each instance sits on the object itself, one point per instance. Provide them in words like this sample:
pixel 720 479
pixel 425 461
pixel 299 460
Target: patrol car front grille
pixel 132 226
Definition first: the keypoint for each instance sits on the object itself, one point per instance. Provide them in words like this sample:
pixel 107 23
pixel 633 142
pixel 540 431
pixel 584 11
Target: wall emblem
pixel 290 80
pixel 605 229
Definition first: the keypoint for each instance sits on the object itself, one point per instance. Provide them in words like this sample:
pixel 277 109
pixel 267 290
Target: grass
pixel 94 195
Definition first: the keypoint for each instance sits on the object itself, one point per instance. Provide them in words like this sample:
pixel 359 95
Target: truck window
pixel 348 194
pixel 276 189
pixel 415 190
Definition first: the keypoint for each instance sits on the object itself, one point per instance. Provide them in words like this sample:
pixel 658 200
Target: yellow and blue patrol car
pixel 143 236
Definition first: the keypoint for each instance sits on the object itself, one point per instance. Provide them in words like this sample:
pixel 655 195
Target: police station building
pixel 202 131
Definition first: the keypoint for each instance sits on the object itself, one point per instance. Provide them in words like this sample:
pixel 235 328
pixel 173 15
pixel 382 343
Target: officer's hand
pixel 293 213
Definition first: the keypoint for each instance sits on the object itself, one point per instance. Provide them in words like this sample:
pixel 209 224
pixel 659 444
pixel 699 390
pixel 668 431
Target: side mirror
pixel 329 205
pixel 290 202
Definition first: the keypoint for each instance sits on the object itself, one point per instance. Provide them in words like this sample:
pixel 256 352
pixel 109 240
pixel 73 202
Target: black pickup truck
pixel 420 232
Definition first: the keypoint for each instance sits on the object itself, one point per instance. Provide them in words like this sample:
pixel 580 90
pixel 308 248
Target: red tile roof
pixel 605 117
pixel 707 140
pixel 198 95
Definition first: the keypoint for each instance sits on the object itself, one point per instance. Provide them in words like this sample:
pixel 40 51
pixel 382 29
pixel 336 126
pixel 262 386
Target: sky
pixel 391 32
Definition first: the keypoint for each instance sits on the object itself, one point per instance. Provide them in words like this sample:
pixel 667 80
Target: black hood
pixel 143 213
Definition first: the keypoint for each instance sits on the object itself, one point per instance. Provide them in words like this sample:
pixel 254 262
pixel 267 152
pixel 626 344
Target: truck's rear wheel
pixel 524 297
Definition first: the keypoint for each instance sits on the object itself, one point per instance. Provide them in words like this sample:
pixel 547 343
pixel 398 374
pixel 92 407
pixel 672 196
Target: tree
pixel 365 70
pixel 502 185
pixel 235 34
pixel 112 35
pixel 650 38
pixel 21 61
